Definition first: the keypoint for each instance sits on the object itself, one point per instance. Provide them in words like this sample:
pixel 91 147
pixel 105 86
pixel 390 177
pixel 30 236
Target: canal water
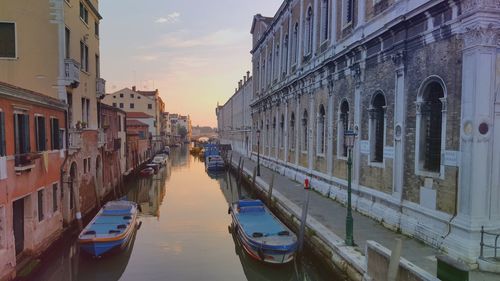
pixel 184 235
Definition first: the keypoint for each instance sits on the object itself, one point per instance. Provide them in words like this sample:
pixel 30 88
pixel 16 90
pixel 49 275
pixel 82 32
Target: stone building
pixel 418 80
pixel 138 144
pixel 234 120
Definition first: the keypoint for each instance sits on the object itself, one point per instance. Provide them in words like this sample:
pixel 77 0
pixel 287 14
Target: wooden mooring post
pixel 270 191
pixel 240 171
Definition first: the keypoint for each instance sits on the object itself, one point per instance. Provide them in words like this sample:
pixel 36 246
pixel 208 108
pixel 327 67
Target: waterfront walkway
pixel 330 215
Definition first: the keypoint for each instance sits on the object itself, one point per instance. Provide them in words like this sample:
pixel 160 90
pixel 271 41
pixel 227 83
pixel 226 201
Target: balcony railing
pixel 100 88
pixel 72 73
pixel 25 161
pixel 75 139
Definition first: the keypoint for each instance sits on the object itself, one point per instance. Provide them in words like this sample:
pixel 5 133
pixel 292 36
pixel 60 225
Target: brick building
pixel 138 144
pixel 417 80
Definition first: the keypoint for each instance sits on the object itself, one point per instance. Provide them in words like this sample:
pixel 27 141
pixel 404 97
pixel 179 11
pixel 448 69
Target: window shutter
pixel 2 134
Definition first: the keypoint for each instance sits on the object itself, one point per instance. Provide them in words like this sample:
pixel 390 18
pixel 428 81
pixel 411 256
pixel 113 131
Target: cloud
pixel 170 18
pixel 146 57
pixel 223 37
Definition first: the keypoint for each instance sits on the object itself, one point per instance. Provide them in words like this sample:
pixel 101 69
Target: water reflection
pixel 184 234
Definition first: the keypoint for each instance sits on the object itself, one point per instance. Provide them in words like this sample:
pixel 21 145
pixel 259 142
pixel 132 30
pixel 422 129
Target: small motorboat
pixel 215 163
pixel 155 166
pixel 111 229
pixel 160 159
pixel 262 235
pixel 146 172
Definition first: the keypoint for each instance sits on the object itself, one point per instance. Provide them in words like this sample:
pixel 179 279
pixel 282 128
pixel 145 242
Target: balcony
pixel 75 140
pixel 25 161
pixel 72 73
pixel 101 138
pixel 100 88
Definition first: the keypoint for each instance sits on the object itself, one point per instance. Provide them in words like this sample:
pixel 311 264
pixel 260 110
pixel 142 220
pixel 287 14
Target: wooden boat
pixel 215 163
pixel 261 234
pixel 155 166
pixel 146 172
pixel 111 229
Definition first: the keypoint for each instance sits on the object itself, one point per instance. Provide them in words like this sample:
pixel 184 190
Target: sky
pixel 193 52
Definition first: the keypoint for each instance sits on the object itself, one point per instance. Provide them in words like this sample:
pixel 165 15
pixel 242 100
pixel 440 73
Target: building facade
pixel 418 81
pixel 234 119
pixel 138 144
pixel 30 187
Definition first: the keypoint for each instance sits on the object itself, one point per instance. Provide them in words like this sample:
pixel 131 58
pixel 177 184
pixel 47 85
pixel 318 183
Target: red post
pixel 306 183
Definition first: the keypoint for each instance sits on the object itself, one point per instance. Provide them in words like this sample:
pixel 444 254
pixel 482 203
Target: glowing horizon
pixel 194 54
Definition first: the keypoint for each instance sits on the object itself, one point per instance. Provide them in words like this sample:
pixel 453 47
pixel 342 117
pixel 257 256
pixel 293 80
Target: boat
pixel 156 167
pixel 111 229
pixel 160 159
pixel 261 234
pixel 146 172
pixel 215 163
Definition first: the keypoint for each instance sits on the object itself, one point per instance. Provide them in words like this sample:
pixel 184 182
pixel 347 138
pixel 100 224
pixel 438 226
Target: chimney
pixel 244 79
pixel 248 75
pixel 235 90
pixel 239 84
pixel 133 88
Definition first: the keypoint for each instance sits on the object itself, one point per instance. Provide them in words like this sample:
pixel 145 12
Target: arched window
pixel 377 127
pixel 267 133
pixel 292 131
pixel 284 55
pixel 320 137
pixel 430 113
pixel 269 68
pixel 308 32
pixel 295 43
pixel 273 138
pixel 304 131
pixel 282 132
pixel 263 75
pixel 276 62
pixel 324 20
pixel 342 127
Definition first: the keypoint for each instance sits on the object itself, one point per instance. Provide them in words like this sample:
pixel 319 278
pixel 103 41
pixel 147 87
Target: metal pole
pixel 349 240
pixel 258 157
pixel 304 215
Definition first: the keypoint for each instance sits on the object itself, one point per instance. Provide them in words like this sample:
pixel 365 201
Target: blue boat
pixel 261 234
pixel 111 229
pixel 215 163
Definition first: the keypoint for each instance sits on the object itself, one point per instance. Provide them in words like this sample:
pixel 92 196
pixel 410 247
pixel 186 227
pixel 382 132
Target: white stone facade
pixel 419 81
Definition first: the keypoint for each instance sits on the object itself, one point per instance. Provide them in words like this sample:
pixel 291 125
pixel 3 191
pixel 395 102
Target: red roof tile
pixel 138 115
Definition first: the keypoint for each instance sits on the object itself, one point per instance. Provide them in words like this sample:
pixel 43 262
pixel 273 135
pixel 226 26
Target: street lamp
pixel 349 138
pixel 258 152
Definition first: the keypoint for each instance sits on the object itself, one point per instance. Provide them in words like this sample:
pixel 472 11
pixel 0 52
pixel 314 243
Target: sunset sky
pixel 194 52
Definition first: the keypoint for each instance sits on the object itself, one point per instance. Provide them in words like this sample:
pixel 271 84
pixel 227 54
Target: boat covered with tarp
pixel 111 229
pixel 262 235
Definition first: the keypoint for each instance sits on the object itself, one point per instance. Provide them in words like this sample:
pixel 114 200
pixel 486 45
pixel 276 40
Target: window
pixel 2 134
pixel 84 13
pixel 308 32
pixel 295 44
pixel 324 20
pixel 142 135
pixel 96 28
pixel 150 106
pixel 377 128
pixel 40 133
pixel 320 145
pixel 54 197
pixel 342 127
pixel 347 12
pixel 55 134
pixel 121 104
pixel 97 66
pixel 21 133
pixel 3 227
pixel 67 44
pixel 84 57
pixel 7 40
pixel 85 110
pixel 121 95
pixel 282 131
pixel 276 62
pixel 114 104
pixel 273 139
pixel 84 165
pixel 292 131
pixel 263 74
pixel 40 205
pixel 304 130
pixel 431 123
pixel 269 68
pixel 284 55
pixel 138 97
pixel 132 95
pixel 132 105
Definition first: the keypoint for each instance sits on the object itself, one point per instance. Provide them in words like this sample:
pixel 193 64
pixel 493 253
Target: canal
pixel 184 235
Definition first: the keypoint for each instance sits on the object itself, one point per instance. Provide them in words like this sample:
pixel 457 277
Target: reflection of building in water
pixel 179 157
pixel 149 192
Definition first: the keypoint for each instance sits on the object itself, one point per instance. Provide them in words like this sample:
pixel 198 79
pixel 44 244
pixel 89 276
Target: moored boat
pixel 215 163
pixel 261 234
pixel 111 229
pixel 146 172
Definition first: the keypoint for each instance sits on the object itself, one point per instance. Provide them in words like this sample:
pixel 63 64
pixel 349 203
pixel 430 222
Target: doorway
pixel 18 221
